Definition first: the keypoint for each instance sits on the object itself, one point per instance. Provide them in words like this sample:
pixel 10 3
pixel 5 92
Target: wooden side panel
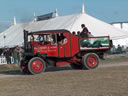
pixel 67 45
pixel 74 44
pixel 61 51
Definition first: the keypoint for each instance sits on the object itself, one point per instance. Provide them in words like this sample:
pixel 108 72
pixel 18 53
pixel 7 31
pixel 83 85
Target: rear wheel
pixel 36 65
pixel 90 61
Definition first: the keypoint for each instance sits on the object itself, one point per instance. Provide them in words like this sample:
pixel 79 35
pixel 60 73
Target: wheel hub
pixel 37 66
pixel 92 61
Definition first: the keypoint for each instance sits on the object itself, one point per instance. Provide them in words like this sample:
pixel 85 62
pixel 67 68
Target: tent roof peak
pixel 56 12
pixel 82 9
pixel 14 21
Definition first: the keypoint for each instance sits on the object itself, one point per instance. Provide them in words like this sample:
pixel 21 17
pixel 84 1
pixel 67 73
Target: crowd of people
pixel 119 50
pixel 14 53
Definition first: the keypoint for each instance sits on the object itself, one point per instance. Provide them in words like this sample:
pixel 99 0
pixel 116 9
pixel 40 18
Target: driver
pixel 84 32
pixel 32 38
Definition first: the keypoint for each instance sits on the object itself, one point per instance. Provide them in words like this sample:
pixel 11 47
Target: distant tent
pixel 122 41
pixel 12 36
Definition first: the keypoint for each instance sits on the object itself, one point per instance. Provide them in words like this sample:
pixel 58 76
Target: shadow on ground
pixel 54 69
pixel 50 69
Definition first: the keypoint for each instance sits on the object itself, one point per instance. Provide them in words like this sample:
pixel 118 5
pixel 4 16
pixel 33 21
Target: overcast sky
pixel 105 10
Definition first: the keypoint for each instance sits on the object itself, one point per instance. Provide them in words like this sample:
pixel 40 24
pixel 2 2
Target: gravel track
pixel 14 74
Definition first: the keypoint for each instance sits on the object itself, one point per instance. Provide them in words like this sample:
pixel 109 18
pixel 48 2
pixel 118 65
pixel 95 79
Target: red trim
pixel 75 59
pixel 94 49
pixel 109 41
pixel 96 37
pixel 68 61
pixel 62 63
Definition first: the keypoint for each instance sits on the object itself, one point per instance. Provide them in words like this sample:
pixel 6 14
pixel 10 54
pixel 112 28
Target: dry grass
pixel 8 67
pixel 109 81
pixel 115 59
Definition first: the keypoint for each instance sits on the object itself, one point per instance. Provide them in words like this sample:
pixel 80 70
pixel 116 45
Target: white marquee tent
pixel 122 41
pixel 14 35
pixel 73 23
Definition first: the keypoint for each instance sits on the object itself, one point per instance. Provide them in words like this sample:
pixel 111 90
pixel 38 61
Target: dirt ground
pixel 110 79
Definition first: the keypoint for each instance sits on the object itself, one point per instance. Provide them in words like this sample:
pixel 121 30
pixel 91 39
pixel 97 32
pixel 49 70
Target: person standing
pixel 7 54
pixel 15 55
pixel 119 49
pixel 20 52
pixel 32 38
pixel 84 32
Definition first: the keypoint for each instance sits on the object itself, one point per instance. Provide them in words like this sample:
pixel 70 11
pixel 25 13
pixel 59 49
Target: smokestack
pixel 14 22
pixel 82 10
pixel 56 12
pixel 34 19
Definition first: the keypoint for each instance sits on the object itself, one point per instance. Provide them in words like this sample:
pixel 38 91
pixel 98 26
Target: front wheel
pixel 36 65
pixel 90 61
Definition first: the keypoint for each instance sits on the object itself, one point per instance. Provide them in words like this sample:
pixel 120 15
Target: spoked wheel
pixel 36 65
pixel 76 66
pixel 90 61
pixel 23 67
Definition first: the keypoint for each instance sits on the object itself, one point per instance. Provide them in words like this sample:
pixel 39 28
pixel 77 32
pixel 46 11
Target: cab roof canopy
pixel 49 31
